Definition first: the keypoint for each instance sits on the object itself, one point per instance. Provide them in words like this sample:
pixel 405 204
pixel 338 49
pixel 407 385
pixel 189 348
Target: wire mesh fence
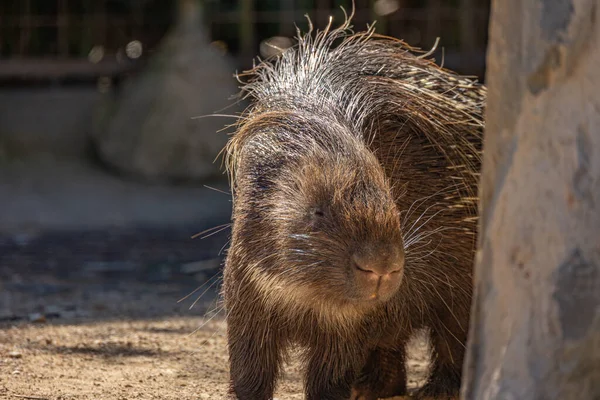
pixel 59 38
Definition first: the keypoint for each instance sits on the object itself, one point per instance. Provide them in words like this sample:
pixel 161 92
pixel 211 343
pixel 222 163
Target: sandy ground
pixel 167 358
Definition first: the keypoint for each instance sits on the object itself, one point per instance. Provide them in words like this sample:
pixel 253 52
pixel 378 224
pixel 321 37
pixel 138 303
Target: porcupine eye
pixel 317 216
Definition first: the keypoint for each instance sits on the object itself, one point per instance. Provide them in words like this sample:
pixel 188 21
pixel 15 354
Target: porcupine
pixel 354 176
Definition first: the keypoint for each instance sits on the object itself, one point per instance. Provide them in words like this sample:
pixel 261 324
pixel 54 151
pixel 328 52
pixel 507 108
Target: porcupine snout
pixel 378 269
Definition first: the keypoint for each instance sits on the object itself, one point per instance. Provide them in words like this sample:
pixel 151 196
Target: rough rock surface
pixel 535 331
pixel 147 129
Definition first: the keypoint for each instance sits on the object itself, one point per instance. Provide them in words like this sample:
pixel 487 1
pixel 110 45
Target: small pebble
pixel 37 318
pixel 15 354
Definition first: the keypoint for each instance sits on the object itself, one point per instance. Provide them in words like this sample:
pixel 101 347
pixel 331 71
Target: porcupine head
pixel 324 207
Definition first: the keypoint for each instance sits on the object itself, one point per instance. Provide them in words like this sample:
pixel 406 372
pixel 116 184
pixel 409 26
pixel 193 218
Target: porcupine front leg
pixel 446 364
pixel 332 369
pixel 384 375
pixel 254 357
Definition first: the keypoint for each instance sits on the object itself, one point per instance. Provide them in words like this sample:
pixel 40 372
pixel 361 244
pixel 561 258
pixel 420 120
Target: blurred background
pixel 104 174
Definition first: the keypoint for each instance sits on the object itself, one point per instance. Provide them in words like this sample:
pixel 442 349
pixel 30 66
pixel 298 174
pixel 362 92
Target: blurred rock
pixel 275 46
pixel 37 318
pixel 147 130
pixel 386 7
pixel 15 354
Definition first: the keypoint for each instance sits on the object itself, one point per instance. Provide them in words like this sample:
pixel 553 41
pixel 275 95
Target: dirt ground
pixel 167 358
pixel 105 315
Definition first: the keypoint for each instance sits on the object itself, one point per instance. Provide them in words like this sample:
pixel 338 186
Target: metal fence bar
pixel 62 23
pixel 25 26
pixel 247 17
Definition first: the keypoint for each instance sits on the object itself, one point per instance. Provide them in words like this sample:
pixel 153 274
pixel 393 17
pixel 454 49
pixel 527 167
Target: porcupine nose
pixel 379 271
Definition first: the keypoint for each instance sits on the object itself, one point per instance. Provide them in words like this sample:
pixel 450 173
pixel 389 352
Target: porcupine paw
pixel 363 394
pixel 432 391
pixel 383 390
pixel 417 396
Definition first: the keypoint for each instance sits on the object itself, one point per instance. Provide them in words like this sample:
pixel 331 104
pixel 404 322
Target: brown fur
pixel 350 146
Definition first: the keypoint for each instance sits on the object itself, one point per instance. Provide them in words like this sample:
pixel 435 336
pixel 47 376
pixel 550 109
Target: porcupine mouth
pixel 374 290
pixel 378 273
